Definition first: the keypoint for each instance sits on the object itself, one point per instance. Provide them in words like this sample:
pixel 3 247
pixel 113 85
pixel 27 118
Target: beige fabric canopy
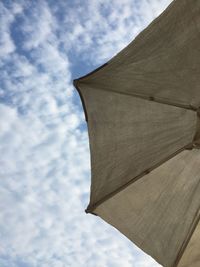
pixel 142 109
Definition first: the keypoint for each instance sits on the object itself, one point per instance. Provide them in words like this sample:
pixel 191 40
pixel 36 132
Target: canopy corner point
pixel 88 210
pixel 75 83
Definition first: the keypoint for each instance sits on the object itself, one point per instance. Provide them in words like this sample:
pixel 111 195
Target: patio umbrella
pixel 142 109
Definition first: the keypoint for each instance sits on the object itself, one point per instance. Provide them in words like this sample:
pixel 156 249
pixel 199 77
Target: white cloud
pixel 44 24
pixel 97 38
pixel 45 165
pixel 7 17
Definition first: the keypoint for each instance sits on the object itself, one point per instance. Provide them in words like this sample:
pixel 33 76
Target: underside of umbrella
pixel 142 109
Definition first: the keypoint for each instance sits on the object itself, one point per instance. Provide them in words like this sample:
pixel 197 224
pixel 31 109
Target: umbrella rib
pixel 150 98
pixel 82 99
pixel 92 207
pixel 188 238
pixel 154 99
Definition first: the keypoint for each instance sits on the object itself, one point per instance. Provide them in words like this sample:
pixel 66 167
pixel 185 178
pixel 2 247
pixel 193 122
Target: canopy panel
pixel 130 136
pixel 159 211
pixel 162 62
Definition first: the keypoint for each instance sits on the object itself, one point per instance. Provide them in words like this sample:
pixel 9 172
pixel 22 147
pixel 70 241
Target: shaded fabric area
pixel 128 136
pixel 191 256
pixel 142 109
pixel 157 211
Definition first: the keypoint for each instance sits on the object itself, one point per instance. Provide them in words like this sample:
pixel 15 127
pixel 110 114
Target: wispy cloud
pixel 44 25
pixel 102 28
pixel 45 164
pixel 7 45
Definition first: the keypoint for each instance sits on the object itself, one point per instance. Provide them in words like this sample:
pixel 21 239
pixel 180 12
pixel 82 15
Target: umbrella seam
pixel 91 208
pixel 149 98
pixel 188 238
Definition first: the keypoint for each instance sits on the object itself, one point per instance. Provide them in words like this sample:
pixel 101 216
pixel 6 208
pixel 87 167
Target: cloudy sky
pixel 44 152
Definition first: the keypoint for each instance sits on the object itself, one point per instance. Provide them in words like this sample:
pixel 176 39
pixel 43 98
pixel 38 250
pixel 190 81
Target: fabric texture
pixel 142 109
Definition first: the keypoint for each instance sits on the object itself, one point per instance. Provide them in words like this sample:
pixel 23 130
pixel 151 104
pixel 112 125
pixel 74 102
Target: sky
pixel 44 146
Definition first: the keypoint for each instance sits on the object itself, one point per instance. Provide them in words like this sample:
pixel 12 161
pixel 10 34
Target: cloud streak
pixel 45 164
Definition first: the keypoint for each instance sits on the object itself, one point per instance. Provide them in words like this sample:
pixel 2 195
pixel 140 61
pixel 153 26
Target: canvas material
pixel 191 256
pixel 141 111
pixel 129 136
pixel 157 212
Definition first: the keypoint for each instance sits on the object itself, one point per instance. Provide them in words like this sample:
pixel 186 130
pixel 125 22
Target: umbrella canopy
pixel 142 109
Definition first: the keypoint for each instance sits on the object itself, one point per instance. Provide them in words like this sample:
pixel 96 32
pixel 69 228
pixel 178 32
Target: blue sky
pixel 45 161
